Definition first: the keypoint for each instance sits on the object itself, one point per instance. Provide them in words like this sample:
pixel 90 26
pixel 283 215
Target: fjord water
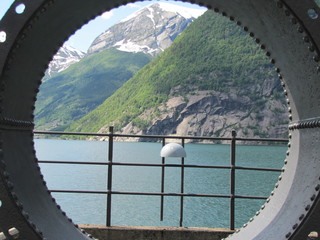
pixel 144 210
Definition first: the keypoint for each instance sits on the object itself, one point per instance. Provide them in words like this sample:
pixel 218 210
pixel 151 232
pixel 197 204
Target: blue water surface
pixel 145 210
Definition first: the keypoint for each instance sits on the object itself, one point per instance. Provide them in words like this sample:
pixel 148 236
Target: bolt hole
pixel 20 8
pixel 3 36
pixel 313 13
pixel 313 236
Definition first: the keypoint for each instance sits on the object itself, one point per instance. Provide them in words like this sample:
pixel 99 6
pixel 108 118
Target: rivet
pixel 273 61
pixel 277 185
pixel 272 193
pixel 238 23
pixel 268 54
pixel 300 29
pixel 216 10
pixel 288 234
pixel 290 117
pixel 251 34
pixel 287 12
pixel 232 18
pixel 251 219
pixel 307 207
pixel 306 39
pixel 278 70
pixel 294 21
pixel 279 4
pixel 301 217
pixel 224 14
pixel 245 225
pixel 6 175
pixel 258 213
pixel 238 230
pixel 10 185
pixel 268 200
pixel 317 187
pixel 20 206
pixel 263 207
pixel 246 29
pixel 26 215
pixel 288 153
pixel 263 46
pixel 295 226
pixel 316 58
pixel 313 197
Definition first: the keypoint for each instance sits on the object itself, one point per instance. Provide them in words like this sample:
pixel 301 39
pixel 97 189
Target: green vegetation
pixel 78 90
pixel 211 54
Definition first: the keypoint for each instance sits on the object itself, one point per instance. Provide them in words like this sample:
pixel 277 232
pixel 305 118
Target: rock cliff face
pixel 150 30
pixel 216 114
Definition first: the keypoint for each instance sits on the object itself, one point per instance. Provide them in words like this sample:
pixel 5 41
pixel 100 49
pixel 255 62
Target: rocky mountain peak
pixel 65 57
pixel 150 30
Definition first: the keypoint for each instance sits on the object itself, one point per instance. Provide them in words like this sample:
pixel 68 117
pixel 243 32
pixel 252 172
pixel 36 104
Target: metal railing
pixel 110 163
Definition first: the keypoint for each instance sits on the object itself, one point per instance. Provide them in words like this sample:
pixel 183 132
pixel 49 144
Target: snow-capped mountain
pixel 150 30
pixel 65 57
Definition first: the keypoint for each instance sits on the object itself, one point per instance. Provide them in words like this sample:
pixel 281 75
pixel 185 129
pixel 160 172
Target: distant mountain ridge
pixel 71 91
pixel 65 57
pixel 213 79
pixel 150 30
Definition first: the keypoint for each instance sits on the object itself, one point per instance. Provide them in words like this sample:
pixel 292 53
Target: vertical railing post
pixel 162 182
pixel 182 186
pixel 232 178
pixel 109 187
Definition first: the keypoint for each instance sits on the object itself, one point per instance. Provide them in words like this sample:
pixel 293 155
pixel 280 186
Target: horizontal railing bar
pixel 283 140
pixel 75 163
pixel 163 165
pixel 259 169
pixel 159 194
pixel 160 136
pixel 168 165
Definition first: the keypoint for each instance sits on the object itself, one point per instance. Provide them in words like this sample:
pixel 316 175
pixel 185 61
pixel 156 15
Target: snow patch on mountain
pixel 151 29
pixel 65 57
pixel 185 12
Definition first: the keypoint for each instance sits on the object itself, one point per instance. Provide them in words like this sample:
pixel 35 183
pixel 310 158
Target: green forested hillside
pixel 212 54
pixel 76 91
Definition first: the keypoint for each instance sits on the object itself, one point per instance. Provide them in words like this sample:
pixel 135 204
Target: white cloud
pixel 107 15
pixel 133 5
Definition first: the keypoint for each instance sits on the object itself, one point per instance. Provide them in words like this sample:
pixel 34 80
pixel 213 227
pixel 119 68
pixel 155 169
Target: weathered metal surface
pixel 283 28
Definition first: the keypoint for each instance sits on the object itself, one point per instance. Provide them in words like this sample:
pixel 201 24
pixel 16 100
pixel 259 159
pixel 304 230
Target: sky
pixel 83 38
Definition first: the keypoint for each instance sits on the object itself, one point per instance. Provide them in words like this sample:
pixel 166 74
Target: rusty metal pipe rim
pixel 31 33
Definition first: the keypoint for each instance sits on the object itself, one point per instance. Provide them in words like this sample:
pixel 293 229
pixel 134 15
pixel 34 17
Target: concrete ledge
pixel 154 233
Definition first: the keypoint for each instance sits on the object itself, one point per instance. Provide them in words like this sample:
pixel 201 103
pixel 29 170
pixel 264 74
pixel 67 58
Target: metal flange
pixel 288 30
